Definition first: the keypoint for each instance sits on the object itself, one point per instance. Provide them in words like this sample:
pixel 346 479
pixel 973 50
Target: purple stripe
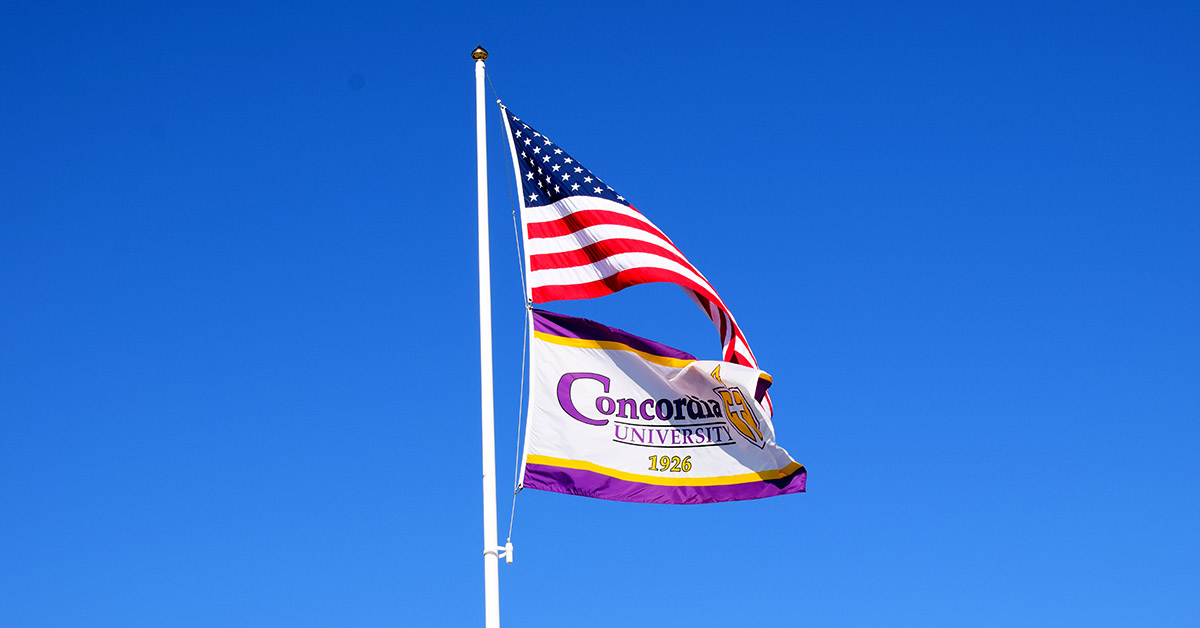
pixel 582 328
pixel 761 390
pixel 592 484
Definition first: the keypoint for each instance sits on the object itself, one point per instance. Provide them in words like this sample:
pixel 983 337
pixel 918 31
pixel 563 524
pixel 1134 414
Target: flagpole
pixel 491 550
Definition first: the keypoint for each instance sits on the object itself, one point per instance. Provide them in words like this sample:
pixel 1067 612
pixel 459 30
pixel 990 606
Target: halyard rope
pixel 524 337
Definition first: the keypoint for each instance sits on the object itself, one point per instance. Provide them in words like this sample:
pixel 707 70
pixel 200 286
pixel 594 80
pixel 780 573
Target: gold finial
pixel 479 53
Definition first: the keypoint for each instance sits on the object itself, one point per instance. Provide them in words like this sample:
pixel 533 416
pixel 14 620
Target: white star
pixel 577 169
pixel 537 134
pixel 556 167
pixel 558 151
pixel 620 198
pixel 548 142
pixel 541 185
pixel 566 176
pixel 533 197
pixel 610 187
pixel 587 179
pixel 525 125
pixel 546 158
pixel 518 133
pixel 527 141
pixel 597 190
pixel 529 175
pixel 574 186
pixel 568 160
pixel 556 190
pixel 537 149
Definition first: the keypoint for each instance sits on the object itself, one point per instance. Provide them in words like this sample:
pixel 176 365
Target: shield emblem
pixel 741 415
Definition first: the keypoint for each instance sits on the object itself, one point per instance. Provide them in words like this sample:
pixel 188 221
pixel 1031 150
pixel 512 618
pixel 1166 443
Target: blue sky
pixel 238 371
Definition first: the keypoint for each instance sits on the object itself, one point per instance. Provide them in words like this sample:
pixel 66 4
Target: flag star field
pixel 548 173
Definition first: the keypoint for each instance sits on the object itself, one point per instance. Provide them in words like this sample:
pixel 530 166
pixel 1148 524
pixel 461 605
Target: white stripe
pixel 571 204
pixel 608 267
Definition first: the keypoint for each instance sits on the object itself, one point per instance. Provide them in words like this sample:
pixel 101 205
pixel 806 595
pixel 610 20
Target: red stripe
pixel 597 251
pixel 723 324
pixel 584 218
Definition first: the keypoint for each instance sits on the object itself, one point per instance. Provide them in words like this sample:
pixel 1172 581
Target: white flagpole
pixel 491 551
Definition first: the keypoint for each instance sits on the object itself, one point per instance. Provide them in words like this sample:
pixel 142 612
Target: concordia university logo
pixel 741 415
pixel 680 422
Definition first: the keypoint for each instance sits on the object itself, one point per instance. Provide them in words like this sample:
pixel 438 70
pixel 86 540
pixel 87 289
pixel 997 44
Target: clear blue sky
pixel 239 360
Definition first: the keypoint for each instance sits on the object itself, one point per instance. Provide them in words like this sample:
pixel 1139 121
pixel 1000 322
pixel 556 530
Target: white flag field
pixel 615 416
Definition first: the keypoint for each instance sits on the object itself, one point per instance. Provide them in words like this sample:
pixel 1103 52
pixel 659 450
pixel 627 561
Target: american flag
pixel 584 240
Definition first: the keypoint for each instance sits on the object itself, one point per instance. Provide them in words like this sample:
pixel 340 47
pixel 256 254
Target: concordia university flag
pixel 615 416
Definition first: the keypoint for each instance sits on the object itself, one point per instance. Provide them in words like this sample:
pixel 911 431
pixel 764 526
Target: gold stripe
pixel 741 478
pixel 609 345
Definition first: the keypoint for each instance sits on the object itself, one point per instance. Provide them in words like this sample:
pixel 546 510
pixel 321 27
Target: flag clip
pixel 505 552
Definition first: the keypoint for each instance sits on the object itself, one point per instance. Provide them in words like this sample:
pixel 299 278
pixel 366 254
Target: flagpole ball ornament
pixel 479 54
